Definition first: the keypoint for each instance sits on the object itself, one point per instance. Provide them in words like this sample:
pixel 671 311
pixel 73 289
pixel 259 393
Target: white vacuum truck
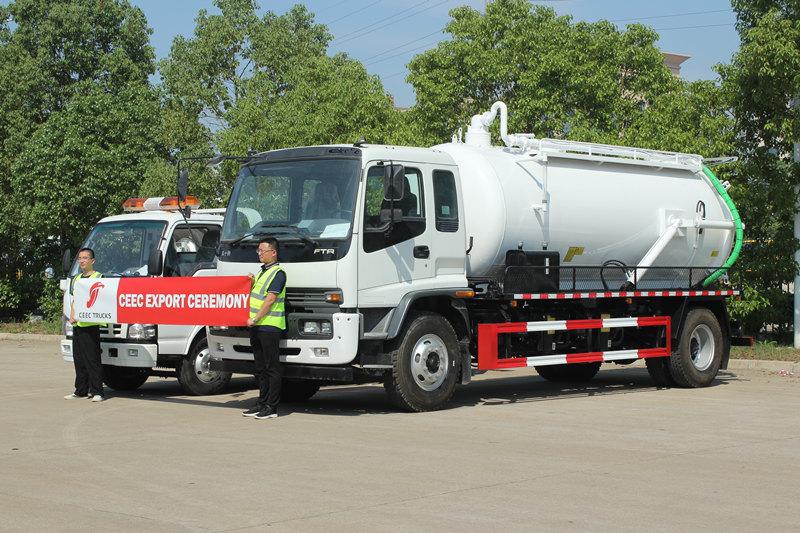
pixel 154 231
pixel 418 267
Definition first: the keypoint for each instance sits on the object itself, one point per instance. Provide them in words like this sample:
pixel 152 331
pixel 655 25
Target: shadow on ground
pixel 494 389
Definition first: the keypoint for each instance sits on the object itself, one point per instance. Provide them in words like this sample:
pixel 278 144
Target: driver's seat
pixel 324 203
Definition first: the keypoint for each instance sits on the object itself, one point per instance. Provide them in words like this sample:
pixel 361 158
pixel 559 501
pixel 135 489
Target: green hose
pixel 737 221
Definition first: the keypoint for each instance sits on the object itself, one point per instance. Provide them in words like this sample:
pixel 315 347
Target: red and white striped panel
pixel 588 357
pixel 488 341
pixel 618 294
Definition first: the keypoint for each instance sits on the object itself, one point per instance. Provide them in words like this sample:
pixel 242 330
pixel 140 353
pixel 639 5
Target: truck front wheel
pixel 122 378
pixel 424 364
pixel 194 375
pixel 697 359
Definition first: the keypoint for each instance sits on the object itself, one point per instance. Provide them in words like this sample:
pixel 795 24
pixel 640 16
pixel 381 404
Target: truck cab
pixel 360 260
pixel 123 246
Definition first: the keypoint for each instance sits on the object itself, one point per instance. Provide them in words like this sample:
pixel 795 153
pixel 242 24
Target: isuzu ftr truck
pixel 418 267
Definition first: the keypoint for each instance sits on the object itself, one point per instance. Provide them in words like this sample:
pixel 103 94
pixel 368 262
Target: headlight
pixel 310 327
pixel 316 327
pixel 141 331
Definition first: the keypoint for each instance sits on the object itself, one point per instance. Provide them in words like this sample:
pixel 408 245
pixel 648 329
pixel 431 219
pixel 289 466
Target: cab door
pixel 396 261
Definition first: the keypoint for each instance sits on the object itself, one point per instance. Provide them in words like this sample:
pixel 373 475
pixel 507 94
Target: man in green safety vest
pixel 267 323
pixel 86 349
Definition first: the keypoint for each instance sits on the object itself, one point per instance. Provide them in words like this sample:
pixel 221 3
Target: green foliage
pixel 562 79
pixel 76 126
pixel 760 84
pixel 50 301
pixel 247 82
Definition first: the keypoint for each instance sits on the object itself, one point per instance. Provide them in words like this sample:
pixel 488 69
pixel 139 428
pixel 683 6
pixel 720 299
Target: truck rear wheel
pixel 298 390
pixel 122 378
pixel 697 359
pixel 424 364
pixel 194 375
pixel 575 372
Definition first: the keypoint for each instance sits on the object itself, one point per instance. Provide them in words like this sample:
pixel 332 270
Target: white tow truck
pixel 417 267
pixel 152 233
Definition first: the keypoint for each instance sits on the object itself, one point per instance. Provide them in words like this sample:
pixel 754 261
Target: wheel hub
pixel 202 367
pixel 702 347
pixel 429 362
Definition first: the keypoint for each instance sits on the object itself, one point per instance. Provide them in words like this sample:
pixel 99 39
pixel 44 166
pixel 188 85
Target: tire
pixel 121 378
pixel 424 364
pixel 195 378
pixel 658 368
pixel 698 356
pixel 298 391
pixel 576 372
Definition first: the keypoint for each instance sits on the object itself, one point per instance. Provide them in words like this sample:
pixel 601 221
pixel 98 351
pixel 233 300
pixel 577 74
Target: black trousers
pixel 86 356
pixel 265 342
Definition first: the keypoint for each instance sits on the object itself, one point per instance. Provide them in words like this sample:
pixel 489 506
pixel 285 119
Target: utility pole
pixel 796 158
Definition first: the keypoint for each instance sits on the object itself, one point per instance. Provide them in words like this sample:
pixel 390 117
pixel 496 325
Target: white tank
pixel 592 204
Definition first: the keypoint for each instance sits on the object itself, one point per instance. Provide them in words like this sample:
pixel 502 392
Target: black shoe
pixel 252 411
pixel 267 413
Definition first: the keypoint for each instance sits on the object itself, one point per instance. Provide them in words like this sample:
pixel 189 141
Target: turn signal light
pixel 465 294
pixel 334 297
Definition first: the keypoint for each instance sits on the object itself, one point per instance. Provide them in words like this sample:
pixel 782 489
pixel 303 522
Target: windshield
pixel 122 248
pixel 314 198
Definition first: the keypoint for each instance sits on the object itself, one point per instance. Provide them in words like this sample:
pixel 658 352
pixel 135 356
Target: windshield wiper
pixel 258 233
pixel 236 241
pixel 294 229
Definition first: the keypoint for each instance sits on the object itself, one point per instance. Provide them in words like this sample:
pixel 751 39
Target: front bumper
pixel 119 353
pixel 342 347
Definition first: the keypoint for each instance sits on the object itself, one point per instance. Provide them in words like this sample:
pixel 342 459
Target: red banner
pixel 204 301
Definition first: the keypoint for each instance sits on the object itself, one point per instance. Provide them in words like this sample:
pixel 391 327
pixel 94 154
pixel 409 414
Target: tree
pixel 247 82
pixel 562 79
pixel 760 83
pixel 75 129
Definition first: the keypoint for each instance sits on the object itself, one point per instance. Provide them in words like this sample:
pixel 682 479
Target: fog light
pixel 320 352
pixel 133 352
pixel 311 327
pixel 325 328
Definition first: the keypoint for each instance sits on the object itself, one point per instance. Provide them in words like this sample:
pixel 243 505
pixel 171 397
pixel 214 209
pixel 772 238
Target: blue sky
pixel 702 29
pixel 411 26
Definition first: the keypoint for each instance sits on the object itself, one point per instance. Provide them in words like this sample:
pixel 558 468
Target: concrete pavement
pixel 512 453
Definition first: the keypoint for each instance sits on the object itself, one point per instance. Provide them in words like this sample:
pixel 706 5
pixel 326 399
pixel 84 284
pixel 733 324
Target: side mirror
pixel 183 184
pixel 66 261
pixel 155 263
pixel 394 182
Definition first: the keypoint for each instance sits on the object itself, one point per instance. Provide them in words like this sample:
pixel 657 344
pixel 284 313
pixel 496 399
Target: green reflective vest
pixel 94 274
pixel 276 316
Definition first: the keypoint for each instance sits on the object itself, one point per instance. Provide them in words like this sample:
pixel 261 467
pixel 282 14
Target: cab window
pixel 412 207
pixel 190 249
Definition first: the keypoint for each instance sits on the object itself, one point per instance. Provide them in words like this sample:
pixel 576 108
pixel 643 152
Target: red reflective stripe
pixel 591 323
pixel 652 320
pixel 560 296
pixel 588 357
pixel 652 352
pixel 515 362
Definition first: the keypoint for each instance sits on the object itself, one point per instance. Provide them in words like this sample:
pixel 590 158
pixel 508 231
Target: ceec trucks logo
pixel 94 290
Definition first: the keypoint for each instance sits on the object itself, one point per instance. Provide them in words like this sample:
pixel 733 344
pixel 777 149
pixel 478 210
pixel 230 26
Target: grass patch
pixel 40 328
pixel 766 351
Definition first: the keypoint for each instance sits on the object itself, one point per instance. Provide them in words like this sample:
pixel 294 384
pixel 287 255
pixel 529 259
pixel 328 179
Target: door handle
pixel 422 252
